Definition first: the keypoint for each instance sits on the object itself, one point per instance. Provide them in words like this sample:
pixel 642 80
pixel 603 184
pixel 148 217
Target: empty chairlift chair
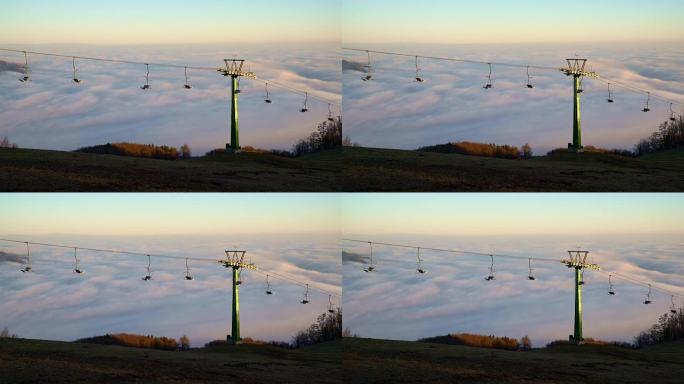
pixel 610 95
pixel 28 267
pixel 305 107
pixel 77 267
pixel 490 83
pixel 648 296
pixel 188 276
pixel 146 86
pixel 491 277
pixel 420 268
pixel 187 82
pixel 611 290
pixel 27 77
pixel 76 79
pixel 268 286
pixel 148 276
pixel 647 108
pixel 531 276
pixel 267 98
pixel 305 299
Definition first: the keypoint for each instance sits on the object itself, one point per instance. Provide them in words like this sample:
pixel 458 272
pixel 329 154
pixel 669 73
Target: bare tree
pixel 184 342
pixel 5 334
pixel 526 343
pixel 186 153
pixel 527 151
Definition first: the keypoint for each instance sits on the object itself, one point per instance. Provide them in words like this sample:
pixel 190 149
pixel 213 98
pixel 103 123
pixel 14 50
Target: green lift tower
pixel 235 260
pixel 234 70
pixel 578 261
pixel 576 69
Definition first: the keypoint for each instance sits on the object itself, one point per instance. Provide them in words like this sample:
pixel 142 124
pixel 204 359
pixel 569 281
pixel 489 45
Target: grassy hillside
pixel 376 361
pixel 368 169
pixel 35 361
pixel 39 170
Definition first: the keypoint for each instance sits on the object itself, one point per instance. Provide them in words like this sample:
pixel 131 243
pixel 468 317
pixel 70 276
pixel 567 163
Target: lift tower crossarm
pixel 576 69
pixel 578 261
pixel 236 261
pixel 234 70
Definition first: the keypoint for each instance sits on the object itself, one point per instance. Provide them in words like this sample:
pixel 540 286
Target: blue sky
pixel 635 235
pixel 174 21
pixel 505 21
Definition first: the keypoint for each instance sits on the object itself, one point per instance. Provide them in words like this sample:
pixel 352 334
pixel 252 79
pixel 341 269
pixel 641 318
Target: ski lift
pixel 610 95
pixel 531 276
pixel 672 114
pixel 148 277
pixel 368 76
pixel 331 307
pixel 26 77
pixel 146 86
pixel 330 113
pixel 648 296
pixel 267 99
pixel 611 291
pixel 581 282
pixel 673 307
pixel 419 78
pixel 28 267
pixel 419 268
pixel 187 82
pixel 491 270
pixel 73 63
pixel 239 277
pixel 305 300
pixel 268 287
pixel 647 108
pixel 305 108
pixel 77 268
pixel 371 267
pixel 187 270
pixel 489 84
pixel 529 79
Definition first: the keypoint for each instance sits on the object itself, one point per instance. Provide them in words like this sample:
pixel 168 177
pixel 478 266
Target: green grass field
pixel 25 170
pixel 36 361
pixel 389 170
pixel 383 361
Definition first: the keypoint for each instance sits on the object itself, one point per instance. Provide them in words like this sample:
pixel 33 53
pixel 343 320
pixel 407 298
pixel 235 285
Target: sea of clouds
pixel 51 112
pixel 53 302
pixel 396 302
pixel 395 111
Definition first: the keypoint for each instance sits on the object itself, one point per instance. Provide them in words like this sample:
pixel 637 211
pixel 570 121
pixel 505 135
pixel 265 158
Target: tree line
pixel 670 135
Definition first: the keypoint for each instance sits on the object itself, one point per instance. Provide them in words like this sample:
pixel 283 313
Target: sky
pixel 169 214
pixel 168 21
pixel 515 214
pixel 505 21
pixel 281 234
pixel 396 302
